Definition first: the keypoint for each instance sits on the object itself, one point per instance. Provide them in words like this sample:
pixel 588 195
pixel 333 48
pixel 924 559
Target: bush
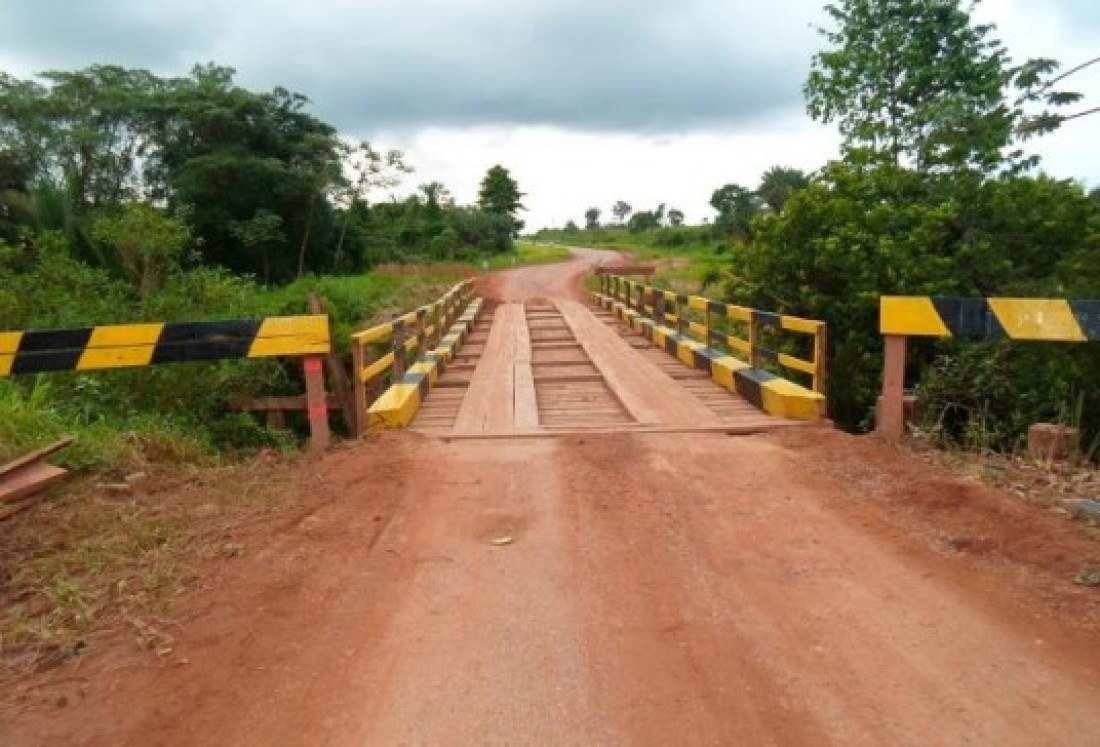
pixel 855 234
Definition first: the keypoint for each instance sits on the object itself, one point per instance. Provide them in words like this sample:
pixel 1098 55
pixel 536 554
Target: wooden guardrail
pixel 901 317
pixel 381 354
pixel 705 334
pixel 155 343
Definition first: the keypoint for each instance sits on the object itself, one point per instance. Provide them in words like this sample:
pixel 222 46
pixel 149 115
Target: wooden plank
pixel 626 270
pixel 29 480
pixel 34 456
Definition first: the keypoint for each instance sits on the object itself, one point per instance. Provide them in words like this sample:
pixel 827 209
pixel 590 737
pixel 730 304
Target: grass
pixel 528 253
pixel 129 418
pixel 89 560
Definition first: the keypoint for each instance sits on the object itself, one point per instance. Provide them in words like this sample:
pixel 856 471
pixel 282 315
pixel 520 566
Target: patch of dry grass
pixel 90 559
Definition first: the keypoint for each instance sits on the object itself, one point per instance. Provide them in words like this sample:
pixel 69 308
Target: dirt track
pixel 798 588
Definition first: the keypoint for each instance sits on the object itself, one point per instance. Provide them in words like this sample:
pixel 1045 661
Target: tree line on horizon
pixel 139 174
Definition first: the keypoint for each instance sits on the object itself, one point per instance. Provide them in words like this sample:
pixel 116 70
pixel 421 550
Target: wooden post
pixel 421 332
pixel 821 358
pixel 891 405
pixel 359 389
pixel 342 387
pixel 754 338
pixel 398 351
pixel 316 403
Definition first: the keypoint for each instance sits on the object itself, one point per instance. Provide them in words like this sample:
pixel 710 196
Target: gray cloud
pixel 387 64
pixel 632 65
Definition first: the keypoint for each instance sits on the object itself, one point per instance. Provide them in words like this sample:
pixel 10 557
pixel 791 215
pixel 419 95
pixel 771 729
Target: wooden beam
pixel 34 456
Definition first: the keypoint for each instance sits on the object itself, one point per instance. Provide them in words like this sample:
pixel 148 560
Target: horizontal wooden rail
pixel 666 318
pixel 668 307
pixel 385 351
pixel 131 345
pixel 155 343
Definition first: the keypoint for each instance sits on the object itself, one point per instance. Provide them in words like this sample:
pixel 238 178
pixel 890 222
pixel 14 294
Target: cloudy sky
pixel 586 101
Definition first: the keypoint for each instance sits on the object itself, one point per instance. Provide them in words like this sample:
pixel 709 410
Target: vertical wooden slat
pixel 754 339
pixel 359 388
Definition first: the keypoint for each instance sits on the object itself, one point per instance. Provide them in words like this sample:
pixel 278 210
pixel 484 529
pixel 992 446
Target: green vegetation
pixel 528 253
pixel 932 196
pixel 125 196
pixel 124 417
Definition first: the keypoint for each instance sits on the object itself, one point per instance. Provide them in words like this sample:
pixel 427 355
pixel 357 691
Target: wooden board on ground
pixel 23 479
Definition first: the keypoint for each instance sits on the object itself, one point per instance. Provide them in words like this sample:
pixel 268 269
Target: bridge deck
pixel 542 368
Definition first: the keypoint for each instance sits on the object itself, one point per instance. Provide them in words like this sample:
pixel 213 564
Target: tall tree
pixel 736 207
pixel 621 210
pixel 500 195
pixel 777 184
pixel 675 217
pixel 918 80
pixel 592 219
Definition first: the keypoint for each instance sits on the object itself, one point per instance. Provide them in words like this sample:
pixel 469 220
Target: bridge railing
pixel 711 334
pixel 154 343
pixel 902 317
pixel 428 337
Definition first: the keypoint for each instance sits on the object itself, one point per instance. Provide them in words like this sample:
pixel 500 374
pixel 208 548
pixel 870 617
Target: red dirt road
pixel 805 587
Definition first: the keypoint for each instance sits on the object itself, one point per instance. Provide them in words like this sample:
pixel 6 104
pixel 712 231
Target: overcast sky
pixel 587 102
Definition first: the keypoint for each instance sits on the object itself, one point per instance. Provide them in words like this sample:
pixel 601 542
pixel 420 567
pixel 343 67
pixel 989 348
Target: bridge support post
pixel 890 414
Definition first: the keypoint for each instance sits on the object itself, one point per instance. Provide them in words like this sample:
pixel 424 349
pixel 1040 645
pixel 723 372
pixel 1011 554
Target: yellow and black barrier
pixel 399 404
pixel 131 345
pixel 428 337
pixel 156 343
pixel 1037 319
pixel 664 318
pixel 1049 319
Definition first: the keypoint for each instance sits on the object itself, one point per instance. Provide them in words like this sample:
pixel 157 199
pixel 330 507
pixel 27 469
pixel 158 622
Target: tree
pixel 571 226
pixel 259 234
pixel 777 184
pixel 736 207
pixel 372 170
pixel 916 79
pixel 147 243
pixel 591 219
pixel 675 217
pixel 500 195
pixel 621 210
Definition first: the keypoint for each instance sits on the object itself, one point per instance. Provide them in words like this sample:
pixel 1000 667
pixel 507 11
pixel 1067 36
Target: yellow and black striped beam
pixel 773 394
pixel 1050 319
pixel 399 404
pixel 130 345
